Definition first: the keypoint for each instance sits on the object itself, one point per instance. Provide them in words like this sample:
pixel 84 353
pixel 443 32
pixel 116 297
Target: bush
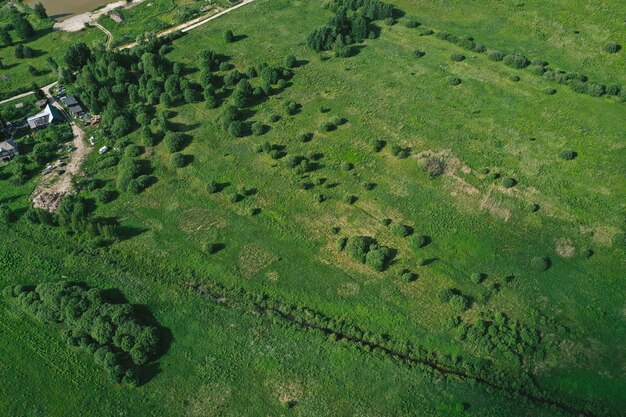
pixel 178 160
pixel 341 244
pixel 411 23
pixel 459 302
pixel 236 128
pixel 587 253
pixel 377 144
pixel 105 196
pixel 514 78
pixel 426 32
pixel 495 56
pixel 539 263
pixel 327 127
pixel 595 89
pixel 454 81
pixel 408 277
pixel 550 91
pixel 376 259
pixel 133 151
pixel 493 176
pixel 445 294
pixel 209 248
pixel 434 167
pixel 401 230
pixel 418 54
pixel 258 129
pixel 508 182
pixel 174 142
pixel 291 107
pixel 613 90
pixel 212 187
pixel 612 47
pixel 349 199
pixel 291 61
pixel 304 137
pixel 229 36
pixel 517 61
pixel 568 155
pixel 457 57
pixel 274 118
pixel 357 248
pixel 533 207
pixel 420 241
pixel 477 277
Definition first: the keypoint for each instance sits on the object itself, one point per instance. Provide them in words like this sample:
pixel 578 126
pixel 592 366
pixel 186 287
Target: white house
pixel 48 115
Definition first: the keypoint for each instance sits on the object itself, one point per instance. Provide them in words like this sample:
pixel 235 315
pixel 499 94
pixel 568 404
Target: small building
pixel 69 101
pixel 8 150
pixel 42 103
pixel 116 16
pixel 102 150
pixel 76 110
pixel 49 115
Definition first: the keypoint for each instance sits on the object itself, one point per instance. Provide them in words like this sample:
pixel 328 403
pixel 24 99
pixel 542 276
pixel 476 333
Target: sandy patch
pixel 208 401
pixel 253 259
pixel 78 22
pixel 565 248
pixel 198 220
pixel 490 205
pixel 348 289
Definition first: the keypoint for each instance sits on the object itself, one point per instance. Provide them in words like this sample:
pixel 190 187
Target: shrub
pixel 349 199
pixel 229 36
pixel 212 187
pixel 538 70
pixel 495 56
pixel 426 32
pixel 174 142
pixel 236 128
pixel 347 166
pixel 377 259
pixel 209 248
pixel 320 198
pixel 457 57
pixel 411 23
pixel 587 253
pixel 493 176
pixel 385 222
pixel 105 196
pixel 434 167
pixel 459 302
pixel 568 155
pixel 613 90
pixel 445 294
pixel 291 61
pixel 612 47
pixel 454 81
pixel 420 241
pixel 408 277
pixel 418 54
pixel 550 91
pixel 595 89
pixel 539 263
pixel 401 230
pixel 327 127
pixel 178 160
pixel 516 61
pixel 304 137
pixel 274 118
pixel 258 129
pixel 377 144
pixel 291 107
pixel 357 247
pixel 533 207
pixel 508 182
pixel 341 244
pixel 477 277
pixel 514 78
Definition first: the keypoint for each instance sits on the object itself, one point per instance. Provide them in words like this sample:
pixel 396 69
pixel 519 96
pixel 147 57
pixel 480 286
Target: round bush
pixel 612 47
pixel 327 127
pixel 457 57
pixel 133 151
pixel 426 32
pixel 477 277
pixel 212 187
pixel 350 199
pixel 484 171
pixel 258 129
pixel 401 230
pixel 533 207
pixel 304 137
pixel 385 222
pixel 587 253
pixel 178 160
pixel 418 54
pixel 550 91
pixel 445 294
pixel 291 61
pixel 516 61
pixel 174 142
pixel 493 176
pixel 347 166
pixel 459 303
pixel 454 81
pixel 209 248
pixel 408 277
pixel 274 118
pixel 420 241
pixel 514 78
pixel 540 263
pixel 495 56
pixel 508 182
pixel 568 155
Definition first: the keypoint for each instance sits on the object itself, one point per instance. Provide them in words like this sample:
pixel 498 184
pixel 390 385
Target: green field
pixel 280 240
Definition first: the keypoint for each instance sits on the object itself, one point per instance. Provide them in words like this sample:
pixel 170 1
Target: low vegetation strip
pixel 464 369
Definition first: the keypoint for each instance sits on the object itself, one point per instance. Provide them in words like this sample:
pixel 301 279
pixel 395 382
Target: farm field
pixel 499 193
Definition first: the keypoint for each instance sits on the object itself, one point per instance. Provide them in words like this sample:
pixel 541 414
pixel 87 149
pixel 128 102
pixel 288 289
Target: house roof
pixel 8 147
pixel 76 109
pixel 42 102
pixel 69 101
pixel 47 116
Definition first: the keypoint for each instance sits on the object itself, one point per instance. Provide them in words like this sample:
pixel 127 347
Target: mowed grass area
pixel 45 43
pixel 288 249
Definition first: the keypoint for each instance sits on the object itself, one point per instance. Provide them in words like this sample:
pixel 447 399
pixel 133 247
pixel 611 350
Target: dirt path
pixel 53 187
pixel 194 23
pixel 106 32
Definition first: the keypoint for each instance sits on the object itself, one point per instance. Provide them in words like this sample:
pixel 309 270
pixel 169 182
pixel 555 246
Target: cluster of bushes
pixel 114 333
pixel 454 298
pixel 351 23
pixel 367 251
pixel 400 152
pixel 500 333
pixel 465 42
pixel 577 82
pixel 132 175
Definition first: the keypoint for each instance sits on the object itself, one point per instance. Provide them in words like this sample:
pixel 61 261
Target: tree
pixel 612 47
pixel 357 248
pixel 22 26
pixel 178 160
pixel 229 36
pixel 40 11
pixel 121 126
pixel 77 56
pixel 376 259
pixel 5 36
pixel 174 142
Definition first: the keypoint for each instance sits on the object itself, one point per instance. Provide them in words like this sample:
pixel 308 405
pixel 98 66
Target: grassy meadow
pixel 280 241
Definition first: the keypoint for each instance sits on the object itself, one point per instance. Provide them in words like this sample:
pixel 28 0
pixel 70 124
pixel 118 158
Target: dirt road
pixel 53 187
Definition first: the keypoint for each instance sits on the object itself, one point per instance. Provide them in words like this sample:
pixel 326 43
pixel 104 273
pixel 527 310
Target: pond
pixel 60 9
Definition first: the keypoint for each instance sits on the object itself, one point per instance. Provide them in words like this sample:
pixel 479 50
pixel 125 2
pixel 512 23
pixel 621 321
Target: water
pixel 60 9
